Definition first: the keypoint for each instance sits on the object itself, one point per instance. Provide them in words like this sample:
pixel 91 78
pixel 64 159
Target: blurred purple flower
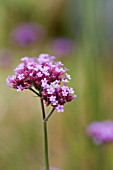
pixel 5 58
pixel 61 46
pixel 27 33
pixel 101 132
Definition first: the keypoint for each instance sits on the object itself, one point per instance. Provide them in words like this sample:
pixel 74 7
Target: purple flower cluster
pixel 26 34
pixel 49 78
pixel 101 132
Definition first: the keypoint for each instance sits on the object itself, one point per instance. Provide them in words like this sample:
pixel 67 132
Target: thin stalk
pixel 34 92
pixel 46 145
pixel 45 136
pixel 46 154
pixel 49 114
pixel 43 110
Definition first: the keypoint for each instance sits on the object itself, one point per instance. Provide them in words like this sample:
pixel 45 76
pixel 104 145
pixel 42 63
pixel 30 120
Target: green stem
pixel 34 92
pixel 45 136
pixel 47 117
pixel 45 129
pixel 46 146
pixel 43 110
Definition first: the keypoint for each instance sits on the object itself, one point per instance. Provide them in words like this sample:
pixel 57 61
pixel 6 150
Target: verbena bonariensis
pixel 27 34
pixel 101 132
pixel 48 80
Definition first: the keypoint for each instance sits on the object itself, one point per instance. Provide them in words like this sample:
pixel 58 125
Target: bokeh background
pixel 80 34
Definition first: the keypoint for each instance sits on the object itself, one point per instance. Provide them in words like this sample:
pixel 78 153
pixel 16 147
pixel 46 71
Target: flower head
pixel 101 132
pixel 48 77
pixel 27 33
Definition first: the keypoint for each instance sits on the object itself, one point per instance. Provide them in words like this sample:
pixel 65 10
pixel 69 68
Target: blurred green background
pixel 89 24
